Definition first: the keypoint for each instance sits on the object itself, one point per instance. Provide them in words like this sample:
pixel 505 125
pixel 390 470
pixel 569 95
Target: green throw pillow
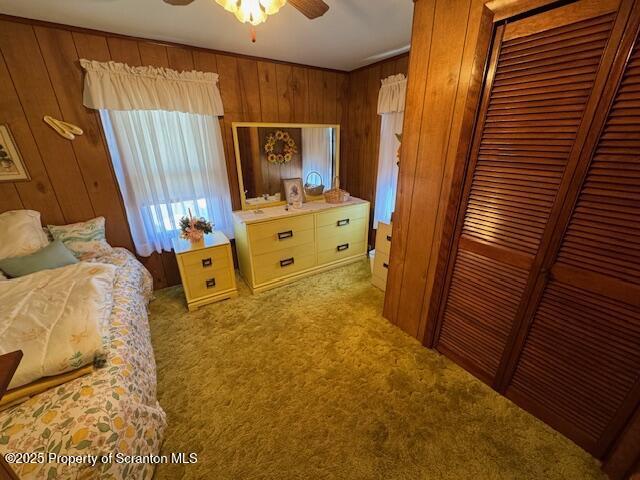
pixel 54 255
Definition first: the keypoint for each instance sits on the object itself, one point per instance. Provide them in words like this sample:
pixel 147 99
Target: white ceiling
pixel 351 34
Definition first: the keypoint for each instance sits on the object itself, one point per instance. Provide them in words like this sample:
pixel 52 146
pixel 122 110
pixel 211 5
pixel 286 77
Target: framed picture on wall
pixel 12 167
pixel 293 191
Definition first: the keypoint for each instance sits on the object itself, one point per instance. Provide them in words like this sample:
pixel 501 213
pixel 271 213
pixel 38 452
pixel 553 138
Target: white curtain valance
pixel 118 86
pixel 392 94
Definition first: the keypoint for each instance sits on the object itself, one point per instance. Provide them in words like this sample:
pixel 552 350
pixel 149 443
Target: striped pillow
pixel 84 239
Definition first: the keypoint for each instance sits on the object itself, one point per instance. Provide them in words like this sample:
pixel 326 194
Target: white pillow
pixel 84 239
pixel 20 233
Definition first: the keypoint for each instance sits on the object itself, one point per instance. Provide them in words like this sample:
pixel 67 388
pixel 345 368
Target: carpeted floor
pixel 308 381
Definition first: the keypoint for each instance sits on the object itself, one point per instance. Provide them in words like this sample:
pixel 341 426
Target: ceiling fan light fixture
pixel 252 11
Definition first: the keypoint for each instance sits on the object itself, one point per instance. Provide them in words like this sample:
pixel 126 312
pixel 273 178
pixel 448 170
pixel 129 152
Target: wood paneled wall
pixel 74 181
pixel 361 138
pixel 449 45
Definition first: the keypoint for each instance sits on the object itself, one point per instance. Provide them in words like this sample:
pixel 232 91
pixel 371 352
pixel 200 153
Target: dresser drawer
pixel 280 234
pixel 352 232
pixel 271 266
pixel 381 265
pixel 340 251
pixel 342 216
pixel 383 238
pixel 379 282
pixel 206 259
pixel 205 283
pixel 380 270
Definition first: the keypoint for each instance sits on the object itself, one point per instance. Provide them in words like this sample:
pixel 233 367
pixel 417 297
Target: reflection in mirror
pixel 267 154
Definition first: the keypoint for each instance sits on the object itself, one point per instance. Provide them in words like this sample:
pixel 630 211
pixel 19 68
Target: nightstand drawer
pixel 379 282
pixel 271 266
pixel 280 234
pixel 381 265
pixel 204 284
pixel 339 251
pixel 206 259
pixel 383 238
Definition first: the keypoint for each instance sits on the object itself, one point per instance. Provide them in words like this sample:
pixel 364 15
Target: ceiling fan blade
pixel 178 2
pixel 310 8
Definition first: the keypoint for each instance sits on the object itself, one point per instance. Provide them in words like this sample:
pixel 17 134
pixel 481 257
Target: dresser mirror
pixel 269 153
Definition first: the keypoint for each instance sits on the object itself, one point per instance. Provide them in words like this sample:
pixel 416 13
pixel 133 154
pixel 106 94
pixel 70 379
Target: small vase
pixel 196 238
pixel 196 242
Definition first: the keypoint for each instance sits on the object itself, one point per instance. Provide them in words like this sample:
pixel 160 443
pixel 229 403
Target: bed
pixel 112 410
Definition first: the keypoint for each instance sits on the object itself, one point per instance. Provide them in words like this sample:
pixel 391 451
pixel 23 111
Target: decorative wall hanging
pixel 64 129
pixel 280 147
pixel 12 167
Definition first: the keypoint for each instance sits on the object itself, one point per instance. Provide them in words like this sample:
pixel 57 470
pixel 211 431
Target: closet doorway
pixel 541 291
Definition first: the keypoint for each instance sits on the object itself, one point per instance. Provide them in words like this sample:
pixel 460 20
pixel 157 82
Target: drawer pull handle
pixel 385 265
pixel 286 262
pixel 342 223
pixel 211 283
pixel 388 238
pixel 343 247
pixel 283 235
pixel 206 262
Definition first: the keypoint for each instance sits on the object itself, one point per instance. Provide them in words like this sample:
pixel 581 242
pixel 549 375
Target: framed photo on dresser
pixel 293 190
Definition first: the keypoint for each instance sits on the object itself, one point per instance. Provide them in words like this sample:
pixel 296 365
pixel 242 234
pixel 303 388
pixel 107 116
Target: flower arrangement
pixel 194 229
pixel 280 147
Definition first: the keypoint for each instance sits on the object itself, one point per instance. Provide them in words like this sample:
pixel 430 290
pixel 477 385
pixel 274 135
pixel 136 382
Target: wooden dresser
pixel 206 270
pixel 278 246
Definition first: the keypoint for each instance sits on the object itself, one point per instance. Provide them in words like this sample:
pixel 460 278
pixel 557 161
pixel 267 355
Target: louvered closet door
pixel 541 77
pixel 580 365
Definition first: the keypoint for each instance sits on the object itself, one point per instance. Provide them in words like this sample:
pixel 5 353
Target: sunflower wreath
pixel 280 147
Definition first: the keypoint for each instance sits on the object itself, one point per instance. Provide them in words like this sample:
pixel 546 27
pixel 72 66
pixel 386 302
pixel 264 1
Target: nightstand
pixel 381 258
pixel 206 269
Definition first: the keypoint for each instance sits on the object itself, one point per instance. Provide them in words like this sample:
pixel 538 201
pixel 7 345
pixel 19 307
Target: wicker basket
pixel 313 190
pixel 336 195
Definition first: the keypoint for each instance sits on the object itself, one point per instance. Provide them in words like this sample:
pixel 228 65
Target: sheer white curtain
pixel 167 163
pixel 391 101
pixel 387 181
pixel 166 146
pixel 317 155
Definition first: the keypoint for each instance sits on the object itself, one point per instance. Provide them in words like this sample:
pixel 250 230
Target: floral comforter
pixel 112 411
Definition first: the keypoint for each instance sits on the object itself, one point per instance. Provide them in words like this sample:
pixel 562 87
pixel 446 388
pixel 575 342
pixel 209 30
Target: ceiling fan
pixel 256 11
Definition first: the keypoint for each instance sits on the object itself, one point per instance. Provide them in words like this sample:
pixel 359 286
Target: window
pixel 391 108
pixel 167 164
pixel 387 181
